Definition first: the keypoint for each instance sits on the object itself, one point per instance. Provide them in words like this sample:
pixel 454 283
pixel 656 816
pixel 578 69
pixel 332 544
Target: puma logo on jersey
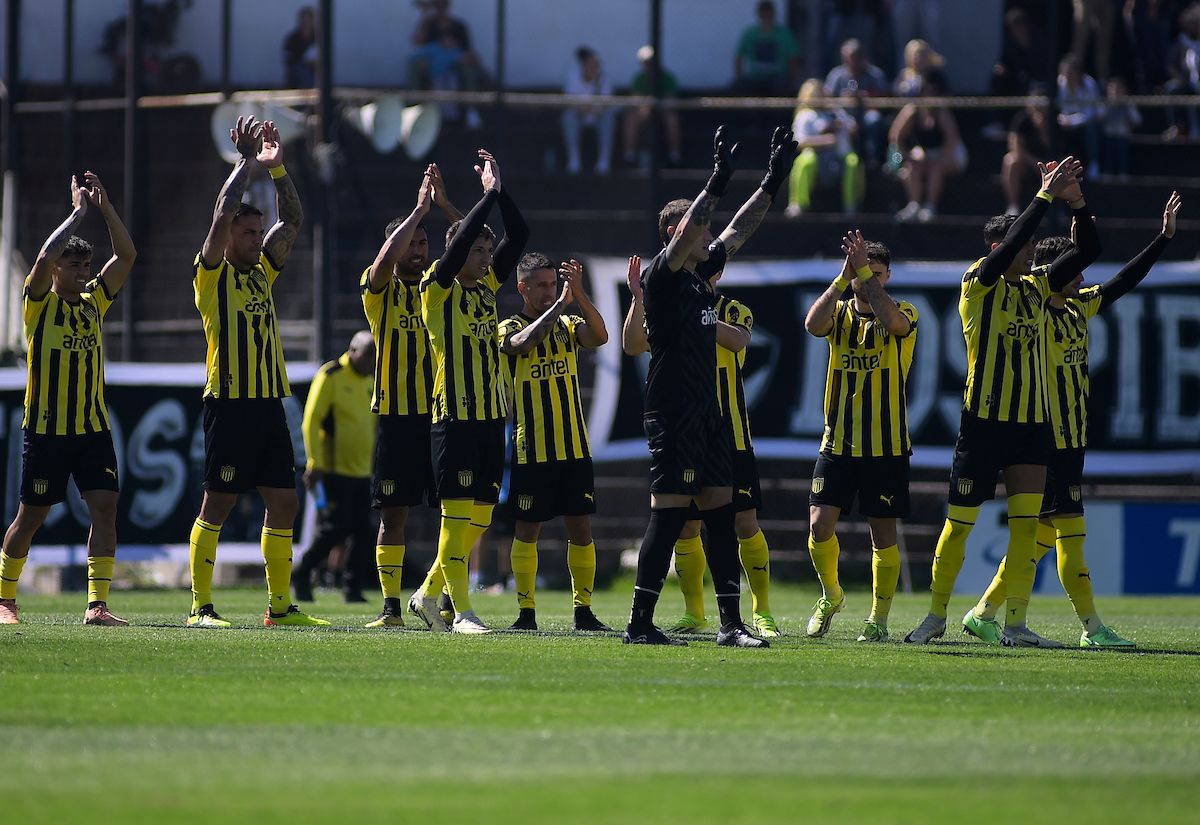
pixel 742 492
pixel 589 496
pixel 887 500
pixel 111 472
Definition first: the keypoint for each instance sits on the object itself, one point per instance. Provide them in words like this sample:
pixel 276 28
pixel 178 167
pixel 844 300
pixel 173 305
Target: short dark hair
pixel 245 209
pixel 1047 250
pixel 583 53
pixel 671 215
pixel 877 251
pixel 531 261
pixel 76 247
pixel 486 232
pixel 763 5
pixel 997 228
pixel 395 224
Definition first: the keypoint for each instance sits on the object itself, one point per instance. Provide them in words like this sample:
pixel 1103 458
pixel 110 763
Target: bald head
pixel 362 352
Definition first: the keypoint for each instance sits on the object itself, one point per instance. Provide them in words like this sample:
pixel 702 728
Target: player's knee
pixel 579 530
pixel 691 529
pixel 216 507
pixel 282 509
pixel 821 523
pixel 393 519
pixel 28 520
pixel 746 523
pixel 103 510
pixel 883 531
pixel 528 531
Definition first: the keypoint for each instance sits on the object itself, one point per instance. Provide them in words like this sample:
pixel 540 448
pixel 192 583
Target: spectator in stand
pixel 1023 59
pixel 858 78
pixel 827 149
pixel 929 143
pixel 1093 24
pixel 1028 143
pixel 768 59
pixel 1120 119
pixel 443 58
pixel 920 61
pixel 1080 109
pixel 588 79
pixel 300 52
pixel 916 18
pixel 1183 69
pixel 637 117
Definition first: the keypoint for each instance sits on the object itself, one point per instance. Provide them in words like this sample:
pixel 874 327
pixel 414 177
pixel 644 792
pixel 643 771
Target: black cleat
pixel 737 635
pixel 649 636
pixel 586 620
pixel 526 620
pixel 302 585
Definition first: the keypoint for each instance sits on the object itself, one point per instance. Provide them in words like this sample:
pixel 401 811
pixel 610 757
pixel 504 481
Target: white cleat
pixel 470 624
pixel 933 627
pixel 427 611
pixel 1022 636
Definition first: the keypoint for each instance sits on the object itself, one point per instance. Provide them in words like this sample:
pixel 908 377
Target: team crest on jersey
pixel 525 502
pixel 227 473
pixel 734 315
pixel 465 477
pixel 965 486
pixel 40 486
pixel 818 484
pixel 1075 492
pixel 689 476
pixel 387 486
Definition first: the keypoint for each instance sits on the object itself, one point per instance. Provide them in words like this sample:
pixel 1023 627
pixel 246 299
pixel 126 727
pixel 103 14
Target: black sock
pixel 654 560
pixel 722 551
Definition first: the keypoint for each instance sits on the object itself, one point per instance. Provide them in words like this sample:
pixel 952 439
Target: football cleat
pixel 206 616
pixel 873 632
pixel 585 620
pixel 101 615
pixel 1104 637
pixel 736 635
pixel 446 608
pixel 10 612
pixel 470 624
pixel 764 625
pixel 1022 636
pixel 526 620
pixel 427 611
pixel 932 627
pixel 687 623
pixel 388 617
pixel 822 617
pixel 649 636
pixel 987 630
pixel 292 618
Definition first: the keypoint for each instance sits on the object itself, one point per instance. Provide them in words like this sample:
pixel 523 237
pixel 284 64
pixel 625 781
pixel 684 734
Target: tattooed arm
pixel 116 269
pixel 397 243
pixel 691 228
pixel 783 153
pixel 526 339
pixel 245 135
pixel 819 320
pixel 279 241
pixel 885 309
pixel 41 277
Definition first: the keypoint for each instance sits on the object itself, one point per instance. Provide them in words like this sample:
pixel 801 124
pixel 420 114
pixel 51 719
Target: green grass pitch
pixel 159 724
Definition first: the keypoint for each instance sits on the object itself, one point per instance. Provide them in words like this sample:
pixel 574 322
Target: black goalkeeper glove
pixel 784 150
pixel 724 156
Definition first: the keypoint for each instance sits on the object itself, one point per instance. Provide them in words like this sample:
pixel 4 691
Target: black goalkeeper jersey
pixel 681 326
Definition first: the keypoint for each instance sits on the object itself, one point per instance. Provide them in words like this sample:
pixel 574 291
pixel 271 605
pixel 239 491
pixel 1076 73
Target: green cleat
pixel 1104 637
pixel 822 617
pixel 873 632
pixel 688 623
pixel 206 616
pixel 293 618
pixel 764 624
pixel 988 630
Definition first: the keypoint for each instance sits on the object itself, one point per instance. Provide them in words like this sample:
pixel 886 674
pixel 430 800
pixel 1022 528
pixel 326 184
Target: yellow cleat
pixel 293 618
pixel 205 616
pixel 387 619
pixel 687 623
pixel 764 624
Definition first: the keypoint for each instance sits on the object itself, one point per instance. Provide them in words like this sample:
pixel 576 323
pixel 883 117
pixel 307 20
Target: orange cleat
pixel 100 615
pixel 9 612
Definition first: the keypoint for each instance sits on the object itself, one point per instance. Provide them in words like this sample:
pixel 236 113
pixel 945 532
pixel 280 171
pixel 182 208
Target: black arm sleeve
pixel 516 235
pixel 1067 266
pixel 458 250
pixel 1132 273
pixel 1001 258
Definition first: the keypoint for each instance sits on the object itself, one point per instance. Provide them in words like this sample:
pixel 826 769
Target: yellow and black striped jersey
pixel 1002 325
pixel 462 324
pixel 544 387
pixel 403 367
pixel 64 394
pixel 245 356
pixel 339 427
pixel 1067 382
pixel 730 394
pixel 866 401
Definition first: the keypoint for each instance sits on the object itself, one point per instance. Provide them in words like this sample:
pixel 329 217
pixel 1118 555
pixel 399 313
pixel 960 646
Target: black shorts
pixel 539 492
pixel 403 464
pixel 747 491
pixel 1064 483
pixel 984 448
pixel 881 484
pixel 246 445
pixel 688 453
pixel 48 461
pixel 468 458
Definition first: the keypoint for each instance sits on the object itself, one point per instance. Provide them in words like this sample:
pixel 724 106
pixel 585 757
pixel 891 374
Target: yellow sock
pixel 1073 572
pixel 481 520
pixel 825 562
pixel 100 574
pixel 1020 562
pixel 10 572
pixel 434 582
pixel 885 573
pixel 689 566
pixel 581 561
pixel 202 547
pixel 949 555
pixel 277 558
pixel 454 553
pixel 994 597
pixel 756 561
pixel 524 568
pixel 389 564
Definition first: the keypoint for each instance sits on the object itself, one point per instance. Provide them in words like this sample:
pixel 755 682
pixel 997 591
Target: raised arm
pixel 397 243
pixel 1133 272
pixel 282 237
pixel 41 277
pixel 633 332
pixel 441 199
pixel 460 246
pixel 244 135
pixel 1084 250
pixel 819 320
pixel 691 228
pixel 116 269
pixel 886 310
pixel 516 231
pixel 783 153
pixel 524 340
pixel 592 332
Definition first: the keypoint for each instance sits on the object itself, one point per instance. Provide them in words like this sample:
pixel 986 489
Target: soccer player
pixel 246 440
pixel 1003 425
pixel 66 430
pixel 391 297
pixel 690 444
pixel 865 449
pixel 1067 385
pixel 339 437
pixel 690 562
pixel 458 305
pixel 552 460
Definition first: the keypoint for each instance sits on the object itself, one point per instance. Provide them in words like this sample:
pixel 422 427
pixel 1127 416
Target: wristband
pixel 1046 196
pixel 841 283
pixel 864 273
pixel 277 172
